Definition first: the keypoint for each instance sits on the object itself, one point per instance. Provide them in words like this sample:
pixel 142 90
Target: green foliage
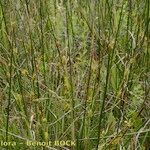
pixel 75 70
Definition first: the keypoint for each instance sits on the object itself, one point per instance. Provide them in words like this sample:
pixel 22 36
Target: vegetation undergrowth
pixel 75 71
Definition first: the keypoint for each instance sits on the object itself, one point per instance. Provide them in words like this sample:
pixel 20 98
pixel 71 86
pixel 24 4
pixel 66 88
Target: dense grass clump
pixel 75 70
